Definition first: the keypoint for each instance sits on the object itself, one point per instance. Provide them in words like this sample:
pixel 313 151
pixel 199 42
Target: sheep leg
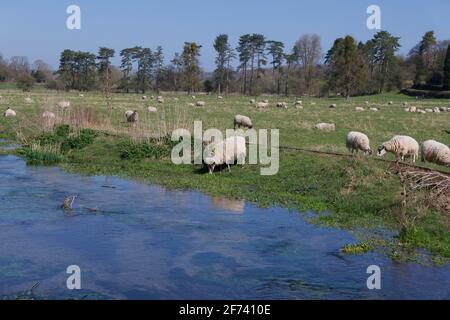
pixel 229 167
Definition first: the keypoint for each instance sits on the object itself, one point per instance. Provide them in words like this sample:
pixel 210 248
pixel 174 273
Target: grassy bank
pixel 355 194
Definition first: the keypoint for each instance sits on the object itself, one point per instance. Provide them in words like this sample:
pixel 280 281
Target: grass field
pixel 358 194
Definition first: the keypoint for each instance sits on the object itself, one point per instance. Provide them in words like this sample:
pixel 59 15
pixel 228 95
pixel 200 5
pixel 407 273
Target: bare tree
pixel 308 52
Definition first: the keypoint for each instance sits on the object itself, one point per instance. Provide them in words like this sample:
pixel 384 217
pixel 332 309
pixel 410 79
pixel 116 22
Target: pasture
pixel 358 193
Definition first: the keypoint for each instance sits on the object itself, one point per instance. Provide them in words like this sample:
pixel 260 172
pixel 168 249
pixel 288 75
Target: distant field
pixel 359 192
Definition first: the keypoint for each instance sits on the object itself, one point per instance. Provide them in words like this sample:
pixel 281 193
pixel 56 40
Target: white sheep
pixel 436 110
pixel 160 99
pixel 191 104
pixel 200 103
pixel 63 104
pixel 421 111
pixel 390 103
pixel 194 97
pixel 132 116
pixel 81 95
pixel 435 152
pixel 359 109
pixel 282 105
pixel 28 100
pixel 220 97
pixel 252 101
pixel 48 115
pixel 152 109
pixel 10 112
pixel 144 97
pixel 358 141
pixel 243 121
pixel 401 147
pixel 428 110
pixel 374 109
pixel 298 103
pixel 333 106
pixel 226 152
pixel 325 126
pixel 262 105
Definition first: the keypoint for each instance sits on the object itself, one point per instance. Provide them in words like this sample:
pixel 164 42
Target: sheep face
pixel 369 152
pixel 211 164
pixel 381 151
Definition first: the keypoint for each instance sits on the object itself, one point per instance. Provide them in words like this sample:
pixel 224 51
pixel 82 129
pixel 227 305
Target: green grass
pixel 355 194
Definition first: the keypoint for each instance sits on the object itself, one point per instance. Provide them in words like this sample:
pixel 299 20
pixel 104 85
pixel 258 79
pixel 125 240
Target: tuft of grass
pixel 152 149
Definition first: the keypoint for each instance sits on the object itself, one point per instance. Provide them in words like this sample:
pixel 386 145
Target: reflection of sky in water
pixel 146 242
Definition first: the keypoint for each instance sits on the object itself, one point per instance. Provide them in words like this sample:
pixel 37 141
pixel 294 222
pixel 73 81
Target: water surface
pixel 135 241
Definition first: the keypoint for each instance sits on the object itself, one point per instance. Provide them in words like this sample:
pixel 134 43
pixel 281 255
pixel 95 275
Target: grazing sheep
pixel 262 105
pixel 298 103
pixel 358 141
pixel 10 112
pixel 374 109
pixel 160 99
pixel 227 152
pixel 435 152
pixel 220 97
pixel 359 109
pixel 401 146
pixel 411 109
pixel 144 97
pixel 253 101
pixel 132 116
pixel 194 97
pixel 28 100
pixel 333 106
pixel 48 115
pixel 201 103
pixel 367 103
pixel 325 126
pixel 282 105
pixel 429 110
pixel 191 104
pixel 152 109
pixel 436 110
pixel 421 111
pixel 443 109
pixel 243 121
pixel 63 104
pixel 390 103
pixel 81 95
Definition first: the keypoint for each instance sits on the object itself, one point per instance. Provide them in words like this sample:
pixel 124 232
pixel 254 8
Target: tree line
pixel 256 65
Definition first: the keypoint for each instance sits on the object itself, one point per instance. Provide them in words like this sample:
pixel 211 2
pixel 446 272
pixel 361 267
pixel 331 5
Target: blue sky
pixel 37 28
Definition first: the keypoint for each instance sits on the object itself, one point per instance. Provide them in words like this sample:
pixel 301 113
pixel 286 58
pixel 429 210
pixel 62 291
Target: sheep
pixel 443 109
pixel 220 97
pixel 200 103
pixel 63 104
pixel 152 109
pixel 374 109
pixel 194 97
pixel 411 109
pixel 359 109
pixel 282 105
pixel 367 103
pixel 390 103
pixel 333 106
pixel 48 115
pixel 400 146
pixel 428 110
pixel 10 112
pixel 226 152
pixel 243 121
pixel 252 101
pixel 81 95
pixel 28 100
pixel 405 104
pixel 160 99
pixel 132 116
pixel 436 110
pixel 325 126
pixel 421 111
pixel 435 152
pixel 262 105
pixel 144 97
pixel 266 101
pixel 358 141
pixel 298 103
pixel 191 104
